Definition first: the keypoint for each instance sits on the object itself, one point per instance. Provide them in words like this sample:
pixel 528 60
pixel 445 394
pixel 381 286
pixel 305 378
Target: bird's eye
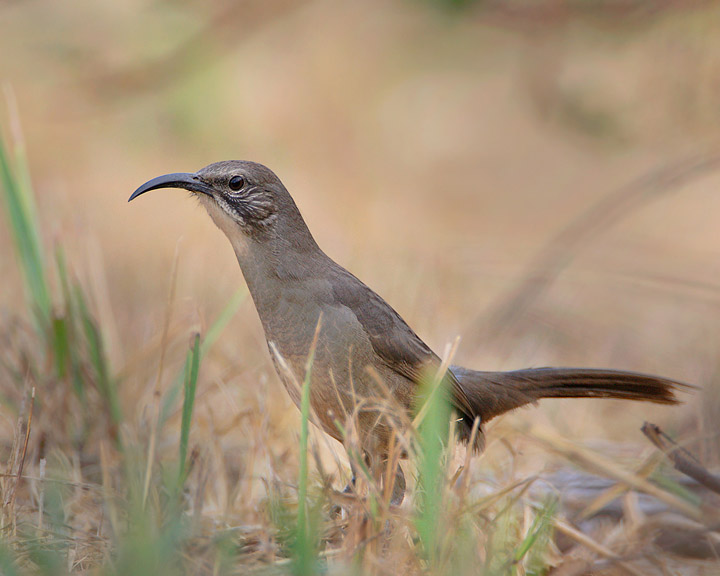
pixel 236 182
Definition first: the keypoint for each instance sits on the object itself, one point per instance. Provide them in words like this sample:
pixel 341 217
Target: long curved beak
pixel 177 180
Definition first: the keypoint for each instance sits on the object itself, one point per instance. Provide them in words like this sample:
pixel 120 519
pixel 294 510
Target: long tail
pixel 494 393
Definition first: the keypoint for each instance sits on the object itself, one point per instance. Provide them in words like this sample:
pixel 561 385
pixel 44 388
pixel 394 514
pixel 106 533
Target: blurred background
pixel 539 178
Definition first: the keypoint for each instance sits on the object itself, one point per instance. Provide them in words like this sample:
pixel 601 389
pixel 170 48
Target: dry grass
pixel 439 156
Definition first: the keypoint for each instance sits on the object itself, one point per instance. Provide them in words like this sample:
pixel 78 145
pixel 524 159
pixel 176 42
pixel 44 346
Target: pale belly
pixel 351 393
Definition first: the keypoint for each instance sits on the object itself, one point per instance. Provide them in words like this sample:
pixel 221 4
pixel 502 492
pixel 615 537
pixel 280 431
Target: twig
pixel 41 495
pixel 7 495
pixel 24 450
pixel 607 466
pixel 606 496
pixel 683 460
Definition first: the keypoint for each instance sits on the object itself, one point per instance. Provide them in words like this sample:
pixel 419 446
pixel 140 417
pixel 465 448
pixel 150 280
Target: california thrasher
pixel 364 349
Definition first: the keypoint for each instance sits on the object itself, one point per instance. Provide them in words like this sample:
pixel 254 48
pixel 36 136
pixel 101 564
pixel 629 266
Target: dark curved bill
pixel 177 180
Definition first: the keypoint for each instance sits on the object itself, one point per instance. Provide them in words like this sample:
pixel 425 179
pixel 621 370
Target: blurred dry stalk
pixel 499 326
pixel 683 460
pixel 453 143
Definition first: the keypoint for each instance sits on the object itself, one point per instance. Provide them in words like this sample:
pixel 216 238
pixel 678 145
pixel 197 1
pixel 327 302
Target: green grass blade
pixel 19 204
pixel 305 547
pixel 7 561
pixel 192 367
pixel 434 431
pixel 61 345
pixel 539 532
pixel 222 321
pixel 671 485
pixel 106 384
pixel 212 335
pixel 70 321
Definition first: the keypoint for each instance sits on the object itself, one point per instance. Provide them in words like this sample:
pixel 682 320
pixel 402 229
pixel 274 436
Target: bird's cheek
pixel 221 218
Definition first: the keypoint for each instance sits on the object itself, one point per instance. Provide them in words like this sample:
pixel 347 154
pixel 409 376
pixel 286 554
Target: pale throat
pixel 261 266
pixel 228 225
pixel 254 267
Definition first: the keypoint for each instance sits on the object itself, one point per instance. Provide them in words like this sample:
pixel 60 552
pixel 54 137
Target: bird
pixel 368 365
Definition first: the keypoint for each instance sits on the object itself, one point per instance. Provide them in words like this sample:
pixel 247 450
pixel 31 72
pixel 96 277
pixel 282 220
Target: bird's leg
pixel 398 492
pixel 398 481
pixel 350 488
pixel 338 510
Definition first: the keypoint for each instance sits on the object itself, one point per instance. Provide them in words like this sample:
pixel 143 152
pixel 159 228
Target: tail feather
pixel 494 393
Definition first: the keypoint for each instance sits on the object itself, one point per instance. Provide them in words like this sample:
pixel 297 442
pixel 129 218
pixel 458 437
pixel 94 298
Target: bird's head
pixel 245 199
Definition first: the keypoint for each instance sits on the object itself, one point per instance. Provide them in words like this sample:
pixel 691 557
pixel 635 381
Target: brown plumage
pixel 494 393
pixel 364 349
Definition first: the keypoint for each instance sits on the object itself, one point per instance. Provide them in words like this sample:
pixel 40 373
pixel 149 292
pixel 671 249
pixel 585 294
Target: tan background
pixel 434 153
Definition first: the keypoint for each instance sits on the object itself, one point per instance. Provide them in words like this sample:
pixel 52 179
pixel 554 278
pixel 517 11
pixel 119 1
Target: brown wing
pixel 395 343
